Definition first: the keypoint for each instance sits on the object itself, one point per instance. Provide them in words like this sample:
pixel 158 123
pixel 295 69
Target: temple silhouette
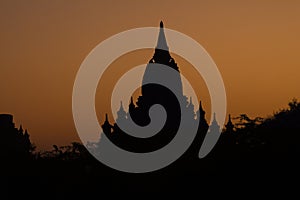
pixel 15 143
pixel 250 155
pixel 152 94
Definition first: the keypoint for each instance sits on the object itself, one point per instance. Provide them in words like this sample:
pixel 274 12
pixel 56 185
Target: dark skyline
pixel 255 45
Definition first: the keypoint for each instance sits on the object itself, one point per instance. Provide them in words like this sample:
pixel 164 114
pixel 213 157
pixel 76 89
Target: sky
pixel 255 45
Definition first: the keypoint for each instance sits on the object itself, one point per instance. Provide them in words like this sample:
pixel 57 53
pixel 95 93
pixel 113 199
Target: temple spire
pixel 215 117
pixel 131 100
pixel 161 24
pixel 122 115
pixel 214 121
pixel 121 106
pixel 106 127
pixel 131 104
pixel 21 129
pixel 201 110
pixel 162 42
pixel 214 127
pixel 26 133
pixel 121 112
pixel 229 126
pixel 106 117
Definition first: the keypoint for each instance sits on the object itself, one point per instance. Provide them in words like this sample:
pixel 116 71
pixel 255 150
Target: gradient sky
pixel 254 43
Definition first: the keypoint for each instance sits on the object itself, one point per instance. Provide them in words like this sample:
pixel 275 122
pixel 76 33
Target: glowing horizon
pixel 254 44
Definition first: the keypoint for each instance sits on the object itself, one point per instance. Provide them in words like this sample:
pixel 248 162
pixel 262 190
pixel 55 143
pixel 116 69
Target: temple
pixel 14 143
pixel 157 94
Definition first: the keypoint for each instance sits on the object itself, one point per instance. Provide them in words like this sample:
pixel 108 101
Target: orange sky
pixel 254 43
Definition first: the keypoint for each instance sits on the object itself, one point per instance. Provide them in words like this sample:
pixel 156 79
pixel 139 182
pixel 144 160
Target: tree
pixel 294 104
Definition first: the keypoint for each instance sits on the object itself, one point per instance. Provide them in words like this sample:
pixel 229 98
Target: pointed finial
pixel 215 117
pixel 21 129
pixel 162 42
pixel 131 100
pixel 26 132
pixel 229 117
pixel 121 105
pixel 106 117
pixel 131 104
pixel 161 24
pixel 200 106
